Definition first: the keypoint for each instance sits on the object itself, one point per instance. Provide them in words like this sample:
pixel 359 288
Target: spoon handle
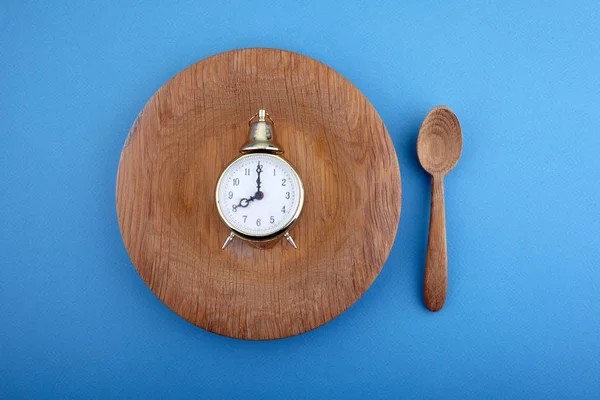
pixel 436 266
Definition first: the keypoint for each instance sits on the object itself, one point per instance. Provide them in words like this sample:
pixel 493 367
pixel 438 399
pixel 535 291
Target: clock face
pixel 259 194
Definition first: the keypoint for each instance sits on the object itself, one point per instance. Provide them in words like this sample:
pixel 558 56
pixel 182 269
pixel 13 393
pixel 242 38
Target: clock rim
pixel 284 228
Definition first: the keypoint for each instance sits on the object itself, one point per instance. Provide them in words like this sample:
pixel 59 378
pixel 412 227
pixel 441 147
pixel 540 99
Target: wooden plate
pixel 185 136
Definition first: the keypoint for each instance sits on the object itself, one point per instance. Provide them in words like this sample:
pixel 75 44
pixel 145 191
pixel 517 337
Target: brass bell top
pixel 260 135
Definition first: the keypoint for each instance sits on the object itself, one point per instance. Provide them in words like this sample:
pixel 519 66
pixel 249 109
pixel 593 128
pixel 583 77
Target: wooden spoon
pixel 439 146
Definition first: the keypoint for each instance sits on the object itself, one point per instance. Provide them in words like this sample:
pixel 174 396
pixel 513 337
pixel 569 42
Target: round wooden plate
pixel 185 136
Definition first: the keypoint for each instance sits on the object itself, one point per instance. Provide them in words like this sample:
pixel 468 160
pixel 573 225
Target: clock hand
pixel 243 202
pixel 258 195
pixel 259 169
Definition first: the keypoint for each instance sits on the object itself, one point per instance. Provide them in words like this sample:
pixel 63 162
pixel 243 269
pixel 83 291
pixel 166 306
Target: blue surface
pixel 522 318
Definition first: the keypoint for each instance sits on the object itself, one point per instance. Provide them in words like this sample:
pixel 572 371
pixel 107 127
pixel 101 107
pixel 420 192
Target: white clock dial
pixel 259 194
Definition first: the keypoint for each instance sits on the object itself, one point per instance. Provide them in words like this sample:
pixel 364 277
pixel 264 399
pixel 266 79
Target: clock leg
pixel 290 240
pixel 228 240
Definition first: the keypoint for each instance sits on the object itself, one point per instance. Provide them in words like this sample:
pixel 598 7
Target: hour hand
pixel 243 202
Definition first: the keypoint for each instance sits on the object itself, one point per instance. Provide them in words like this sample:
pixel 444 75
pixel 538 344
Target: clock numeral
pixel 230 195
pixel 247 171
pixel 287 195
pixel 245 217
pixel 234 208
pixel 272 219
pixel 283 209
pixel 258 222
pixel 236 181
pixel 283 182
pixel 274 172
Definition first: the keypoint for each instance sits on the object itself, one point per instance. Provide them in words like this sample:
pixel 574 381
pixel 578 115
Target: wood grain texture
pixel 436 262
pixel 439 147
pixel 185 136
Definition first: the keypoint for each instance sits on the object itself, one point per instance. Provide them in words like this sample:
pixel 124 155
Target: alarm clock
pixel 259 194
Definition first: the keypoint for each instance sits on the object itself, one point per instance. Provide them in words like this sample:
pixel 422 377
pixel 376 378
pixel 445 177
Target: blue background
pixel 522 318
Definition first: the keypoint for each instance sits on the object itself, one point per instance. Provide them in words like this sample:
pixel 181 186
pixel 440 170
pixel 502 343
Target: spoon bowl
pixel 439 146
pixel 440 141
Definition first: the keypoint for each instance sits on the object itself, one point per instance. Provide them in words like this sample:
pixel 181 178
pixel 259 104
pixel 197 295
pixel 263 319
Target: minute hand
pixel 259 169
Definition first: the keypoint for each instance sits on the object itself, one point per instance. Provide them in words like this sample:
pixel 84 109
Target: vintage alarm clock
pixel 260 195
